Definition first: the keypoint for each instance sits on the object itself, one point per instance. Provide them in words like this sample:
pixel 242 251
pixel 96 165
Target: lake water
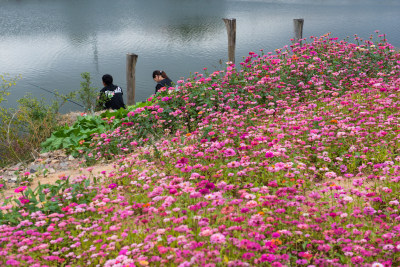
pixel 51 42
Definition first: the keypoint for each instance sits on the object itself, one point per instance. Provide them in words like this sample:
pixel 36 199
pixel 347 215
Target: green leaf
pixel 42 196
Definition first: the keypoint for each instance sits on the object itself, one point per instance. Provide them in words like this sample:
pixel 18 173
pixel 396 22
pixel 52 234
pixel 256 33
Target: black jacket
pixel 112 97
pixel 164 83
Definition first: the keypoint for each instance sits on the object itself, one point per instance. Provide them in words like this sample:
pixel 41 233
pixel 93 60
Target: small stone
pixel 13 179
pixel 32 170
pixel 63 164
pixel 44 155
pixel 34 167
pixel 59 153
pixel 55 161
pixel 51 170
pixel 70 158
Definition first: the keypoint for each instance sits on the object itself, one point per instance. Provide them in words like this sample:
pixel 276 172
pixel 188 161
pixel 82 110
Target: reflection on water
pixel 50 42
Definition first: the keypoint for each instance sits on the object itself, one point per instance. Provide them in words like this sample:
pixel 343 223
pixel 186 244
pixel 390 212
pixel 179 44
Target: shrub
pixel 24 128
pixel 87 94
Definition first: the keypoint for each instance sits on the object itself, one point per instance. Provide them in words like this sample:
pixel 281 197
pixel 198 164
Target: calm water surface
pixel 51 42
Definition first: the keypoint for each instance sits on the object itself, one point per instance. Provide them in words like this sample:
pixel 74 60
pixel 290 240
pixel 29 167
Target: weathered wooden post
pixel 231 30
pixel 130 77
pixel 298 30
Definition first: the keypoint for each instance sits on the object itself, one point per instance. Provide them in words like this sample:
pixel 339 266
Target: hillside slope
pixel 291 160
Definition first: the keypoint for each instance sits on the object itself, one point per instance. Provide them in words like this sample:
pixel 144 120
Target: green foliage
pixel 6 82
pixel 87 94
pixel 69 137
pixel 76 137
pixel 64 98
pixel 23 128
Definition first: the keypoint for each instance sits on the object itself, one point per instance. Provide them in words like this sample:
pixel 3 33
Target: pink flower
pixel 206 232
pixel 217 239
pixel 186 169
pixel 357 260
pixel 251 204
pixel 20 189
pixel 230 152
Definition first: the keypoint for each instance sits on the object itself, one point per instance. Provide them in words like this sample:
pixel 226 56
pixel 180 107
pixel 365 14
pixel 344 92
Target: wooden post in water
pixel 231 30
pixel 130 77
pixel 298 30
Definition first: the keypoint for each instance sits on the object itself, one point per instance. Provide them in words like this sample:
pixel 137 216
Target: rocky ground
pixel 48 168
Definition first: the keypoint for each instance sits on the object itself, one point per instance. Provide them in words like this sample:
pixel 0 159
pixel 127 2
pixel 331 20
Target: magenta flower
pixel 13 262
pixel 244 210
pixel 210 186
pixel 369 210
pixel 183 160
pixel 186 169
pixel 248 255
pixel 23 200
pixel 112 186
pixel 301 262
pixel 357 260
pixel 204 191
pixel 269 154
pixel 267 257
pixel 20 189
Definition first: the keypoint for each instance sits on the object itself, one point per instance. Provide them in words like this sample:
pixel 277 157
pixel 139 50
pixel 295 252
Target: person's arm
pixel 100 100
pixel 158 87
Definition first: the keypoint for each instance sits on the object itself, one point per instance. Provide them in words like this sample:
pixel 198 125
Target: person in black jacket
pixel 162 80
pixel 111 95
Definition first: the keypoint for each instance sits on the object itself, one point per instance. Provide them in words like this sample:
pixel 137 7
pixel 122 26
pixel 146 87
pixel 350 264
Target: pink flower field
pixel 290 159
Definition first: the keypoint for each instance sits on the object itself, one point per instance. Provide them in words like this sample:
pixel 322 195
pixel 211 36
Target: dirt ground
pixel 72 172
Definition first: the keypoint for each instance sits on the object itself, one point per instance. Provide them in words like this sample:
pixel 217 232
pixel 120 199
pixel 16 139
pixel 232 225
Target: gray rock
pixel 63 164
pixel 34 167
